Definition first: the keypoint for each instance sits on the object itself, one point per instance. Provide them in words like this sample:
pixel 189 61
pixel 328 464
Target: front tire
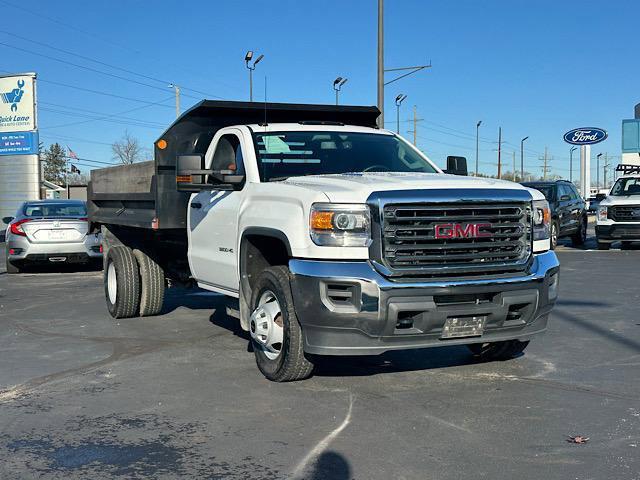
pixel 497 350
pixel 580 237
pixel 121 282
pixel 275 331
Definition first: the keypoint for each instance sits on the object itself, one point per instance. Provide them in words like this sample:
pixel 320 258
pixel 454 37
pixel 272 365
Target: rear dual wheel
pixel 121 282
pixel 133 282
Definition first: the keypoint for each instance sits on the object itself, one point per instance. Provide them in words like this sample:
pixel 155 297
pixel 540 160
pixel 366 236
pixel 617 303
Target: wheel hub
pixel 266 325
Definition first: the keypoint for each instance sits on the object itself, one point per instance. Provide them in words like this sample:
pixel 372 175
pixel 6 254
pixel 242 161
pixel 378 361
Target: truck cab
pixel 334 236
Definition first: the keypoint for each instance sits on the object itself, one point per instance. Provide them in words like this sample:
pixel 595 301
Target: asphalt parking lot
pixel 178 395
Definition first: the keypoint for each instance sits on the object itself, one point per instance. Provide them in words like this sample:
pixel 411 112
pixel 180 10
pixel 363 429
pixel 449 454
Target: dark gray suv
pixel 568 210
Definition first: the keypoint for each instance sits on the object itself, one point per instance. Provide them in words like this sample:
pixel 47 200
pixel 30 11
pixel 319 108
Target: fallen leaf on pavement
pixel 577 439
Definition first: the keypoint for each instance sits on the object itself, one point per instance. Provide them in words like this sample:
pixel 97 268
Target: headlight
pixel 541 219
pixel 340 225
pixel 602 213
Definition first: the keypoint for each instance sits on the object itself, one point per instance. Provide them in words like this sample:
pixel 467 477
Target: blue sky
pixel 537 69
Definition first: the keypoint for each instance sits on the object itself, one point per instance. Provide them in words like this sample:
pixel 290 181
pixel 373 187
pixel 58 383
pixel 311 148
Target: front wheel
pixel 580 236
pixel 497 350
pixel 275 332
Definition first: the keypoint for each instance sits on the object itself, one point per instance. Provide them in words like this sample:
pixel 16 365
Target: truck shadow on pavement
pixel 394 361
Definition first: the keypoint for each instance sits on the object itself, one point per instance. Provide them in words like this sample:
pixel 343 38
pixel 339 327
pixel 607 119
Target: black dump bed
pixel 144 194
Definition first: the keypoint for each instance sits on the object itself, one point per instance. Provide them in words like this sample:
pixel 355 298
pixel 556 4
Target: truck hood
pixel 622 200
pixel 356 187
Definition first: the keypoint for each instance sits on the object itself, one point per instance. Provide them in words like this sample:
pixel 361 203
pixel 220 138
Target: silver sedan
pixel 50 231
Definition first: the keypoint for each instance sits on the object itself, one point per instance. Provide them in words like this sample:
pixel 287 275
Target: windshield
pixel 51 210
pixel 294 154
pixel 626 186
pixel 547 191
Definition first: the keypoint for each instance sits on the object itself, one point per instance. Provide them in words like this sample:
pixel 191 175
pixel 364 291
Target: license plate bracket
pixel 464 326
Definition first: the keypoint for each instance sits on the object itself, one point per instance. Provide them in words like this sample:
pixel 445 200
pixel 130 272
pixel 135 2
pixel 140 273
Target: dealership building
pixel 631 139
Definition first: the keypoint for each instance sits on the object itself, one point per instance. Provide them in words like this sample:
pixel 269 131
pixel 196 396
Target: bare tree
pixel 127 150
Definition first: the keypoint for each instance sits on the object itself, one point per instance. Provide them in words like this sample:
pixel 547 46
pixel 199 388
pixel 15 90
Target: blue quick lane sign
pixel 18 143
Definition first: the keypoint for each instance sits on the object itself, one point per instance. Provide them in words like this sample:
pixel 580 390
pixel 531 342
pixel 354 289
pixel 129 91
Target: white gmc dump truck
pixel 334 237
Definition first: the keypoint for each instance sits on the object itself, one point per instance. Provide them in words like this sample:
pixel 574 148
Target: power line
pixel 93 35
pixel 115 67
pixel 90 69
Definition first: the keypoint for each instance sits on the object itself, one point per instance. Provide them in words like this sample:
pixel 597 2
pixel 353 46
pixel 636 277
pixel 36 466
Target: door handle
pixel 196 205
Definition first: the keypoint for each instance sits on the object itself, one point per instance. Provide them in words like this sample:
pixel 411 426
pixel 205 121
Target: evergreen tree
pixel 55 163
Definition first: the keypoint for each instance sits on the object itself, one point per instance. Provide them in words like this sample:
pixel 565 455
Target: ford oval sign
pixel 585 136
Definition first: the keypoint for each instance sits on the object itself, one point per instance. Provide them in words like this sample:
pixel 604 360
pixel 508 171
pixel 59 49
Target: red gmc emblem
pixel 460 230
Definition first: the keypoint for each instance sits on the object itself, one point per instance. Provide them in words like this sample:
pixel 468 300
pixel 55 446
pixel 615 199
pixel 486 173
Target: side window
pixel 563 191
pixel 574 192
pixel 228 154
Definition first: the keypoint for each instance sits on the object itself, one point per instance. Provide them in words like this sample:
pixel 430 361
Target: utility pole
pixel 545 167
pixel 415 125
pixel 177 90
pixel 598 171
pixel 381 63
pixel 477 143
pixel 522 159
pixel 606 164
pixel 514 166
pixel 499 152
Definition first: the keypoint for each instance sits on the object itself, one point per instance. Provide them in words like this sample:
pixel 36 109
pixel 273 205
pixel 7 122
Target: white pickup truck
pixel 335 237
pixel 618 215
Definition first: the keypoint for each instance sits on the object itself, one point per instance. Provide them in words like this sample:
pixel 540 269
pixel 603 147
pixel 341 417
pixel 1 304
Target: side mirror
pixel 7 220
pixel 191 176
pixel 227 179
pixel 565 198
pixel 457 166
pixel 190 173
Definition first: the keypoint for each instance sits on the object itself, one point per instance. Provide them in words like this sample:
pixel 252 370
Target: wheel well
pixel 258 252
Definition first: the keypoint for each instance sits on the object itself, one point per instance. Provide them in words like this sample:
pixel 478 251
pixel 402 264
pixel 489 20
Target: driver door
pixel 213 221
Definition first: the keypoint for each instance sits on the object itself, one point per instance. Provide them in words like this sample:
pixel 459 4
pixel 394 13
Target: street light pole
pixel 477 143
pixel 251 68
pixel 177 90
pixel 522 159
pixel 598 171
pixel 337 85
pixel 381 63
pixel 573 149
pixel 399 99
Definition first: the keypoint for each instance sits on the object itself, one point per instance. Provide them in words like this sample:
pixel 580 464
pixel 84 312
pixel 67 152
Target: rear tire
pixel 580 236
pixel 289 363
pixel 151 284
pixel 11 268
pixel 497 350
pixel 604 246
pixel 121 282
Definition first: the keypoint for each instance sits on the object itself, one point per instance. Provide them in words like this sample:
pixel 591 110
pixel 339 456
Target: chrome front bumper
pixel 348 308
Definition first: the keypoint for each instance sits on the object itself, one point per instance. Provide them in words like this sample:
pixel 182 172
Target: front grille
pixel 625 213
pixel 410 246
